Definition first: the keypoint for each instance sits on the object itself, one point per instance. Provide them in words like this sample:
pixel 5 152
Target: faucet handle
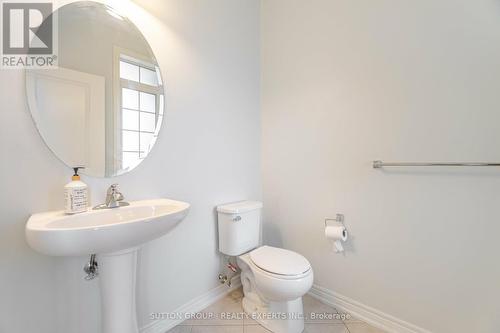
pixel 113 188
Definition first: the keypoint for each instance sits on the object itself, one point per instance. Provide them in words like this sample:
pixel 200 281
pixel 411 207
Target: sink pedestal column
pixel 117 278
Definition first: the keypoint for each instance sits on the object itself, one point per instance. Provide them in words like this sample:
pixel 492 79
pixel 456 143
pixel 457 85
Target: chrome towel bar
pixel 381 164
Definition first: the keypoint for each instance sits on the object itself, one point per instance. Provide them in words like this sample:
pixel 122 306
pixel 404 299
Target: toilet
pixel 274 279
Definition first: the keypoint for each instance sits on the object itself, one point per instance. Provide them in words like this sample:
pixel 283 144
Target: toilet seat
pixel 280 262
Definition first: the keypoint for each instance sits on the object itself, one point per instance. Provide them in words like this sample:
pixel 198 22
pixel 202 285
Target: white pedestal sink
pixel 115 235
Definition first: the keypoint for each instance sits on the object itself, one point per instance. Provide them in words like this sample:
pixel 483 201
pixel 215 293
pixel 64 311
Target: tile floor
pixel 214 319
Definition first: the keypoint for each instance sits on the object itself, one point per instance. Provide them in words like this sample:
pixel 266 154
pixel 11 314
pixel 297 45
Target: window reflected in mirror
pixel 141 109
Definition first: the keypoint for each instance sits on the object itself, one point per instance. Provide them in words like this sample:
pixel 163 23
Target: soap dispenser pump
pixel 76 194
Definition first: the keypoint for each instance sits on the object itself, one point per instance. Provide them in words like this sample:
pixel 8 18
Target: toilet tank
pixel 239 227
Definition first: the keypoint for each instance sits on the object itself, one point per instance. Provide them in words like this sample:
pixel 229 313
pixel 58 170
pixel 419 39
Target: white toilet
pixel 274 280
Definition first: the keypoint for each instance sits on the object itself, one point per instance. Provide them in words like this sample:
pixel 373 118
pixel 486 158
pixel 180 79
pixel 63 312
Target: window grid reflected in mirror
pixel 141 109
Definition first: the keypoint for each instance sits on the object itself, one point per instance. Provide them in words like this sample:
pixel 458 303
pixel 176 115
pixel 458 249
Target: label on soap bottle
pixel 76 200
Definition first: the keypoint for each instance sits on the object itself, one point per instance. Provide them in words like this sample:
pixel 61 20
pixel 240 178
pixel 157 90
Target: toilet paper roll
pixel 337 234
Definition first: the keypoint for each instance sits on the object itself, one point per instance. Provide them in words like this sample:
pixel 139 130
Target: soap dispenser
pixel 76 194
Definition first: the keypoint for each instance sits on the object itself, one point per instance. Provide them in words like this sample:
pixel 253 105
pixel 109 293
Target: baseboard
pixel 363 312
pixel 193 306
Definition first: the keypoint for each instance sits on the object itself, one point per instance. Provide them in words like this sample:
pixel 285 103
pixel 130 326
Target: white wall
pixel 347 82
pixel 207 153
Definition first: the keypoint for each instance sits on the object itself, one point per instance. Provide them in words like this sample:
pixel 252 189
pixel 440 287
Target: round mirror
pixel 102 107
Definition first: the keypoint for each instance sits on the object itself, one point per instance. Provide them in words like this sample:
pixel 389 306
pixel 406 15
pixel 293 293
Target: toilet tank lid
pixel 239 207
pixel 280 261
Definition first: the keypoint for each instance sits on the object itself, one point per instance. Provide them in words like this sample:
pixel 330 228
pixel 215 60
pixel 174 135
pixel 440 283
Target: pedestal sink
pixel 114 235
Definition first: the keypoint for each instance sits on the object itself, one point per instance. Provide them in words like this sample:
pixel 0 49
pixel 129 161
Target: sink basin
pixel 115 235
pixel 105 230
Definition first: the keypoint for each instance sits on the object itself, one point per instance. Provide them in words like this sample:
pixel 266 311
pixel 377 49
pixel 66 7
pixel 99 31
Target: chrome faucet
pixel 114 198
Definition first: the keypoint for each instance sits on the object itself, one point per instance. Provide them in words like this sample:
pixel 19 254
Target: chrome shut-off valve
pixel 233 270
pixel 223 279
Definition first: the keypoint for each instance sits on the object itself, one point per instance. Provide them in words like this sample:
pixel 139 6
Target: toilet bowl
pixel 274 280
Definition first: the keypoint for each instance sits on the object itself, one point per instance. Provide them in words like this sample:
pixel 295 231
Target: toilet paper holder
pixel 337 233
pixel 339 218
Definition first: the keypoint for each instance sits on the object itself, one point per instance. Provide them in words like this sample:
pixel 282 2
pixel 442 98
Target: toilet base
pixel 278 317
